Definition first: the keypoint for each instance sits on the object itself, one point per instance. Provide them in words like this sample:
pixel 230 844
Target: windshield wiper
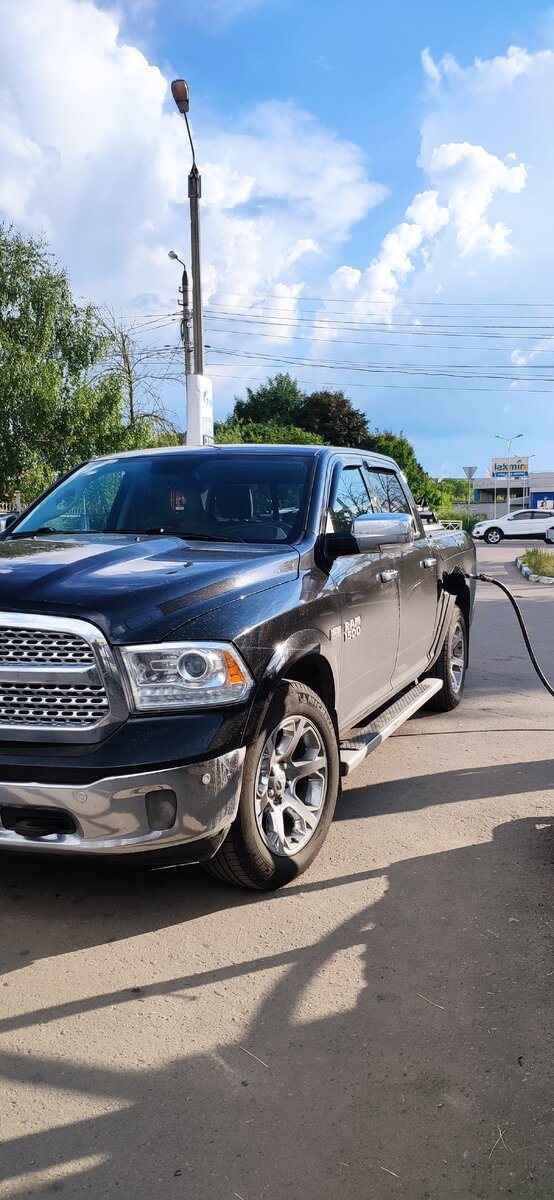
pixel 167 532
pixel 45 529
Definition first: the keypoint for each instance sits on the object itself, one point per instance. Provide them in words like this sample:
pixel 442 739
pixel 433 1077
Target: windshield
pixel 246 498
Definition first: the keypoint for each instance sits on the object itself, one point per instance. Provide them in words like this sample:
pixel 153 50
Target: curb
pixel 528 574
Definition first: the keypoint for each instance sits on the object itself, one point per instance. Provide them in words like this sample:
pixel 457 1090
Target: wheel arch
pixel 304 658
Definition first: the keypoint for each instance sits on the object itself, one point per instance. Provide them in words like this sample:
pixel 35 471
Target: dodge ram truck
pixel 197 645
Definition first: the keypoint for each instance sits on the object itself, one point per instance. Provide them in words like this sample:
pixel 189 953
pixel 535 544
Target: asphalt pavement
pixel 379 1029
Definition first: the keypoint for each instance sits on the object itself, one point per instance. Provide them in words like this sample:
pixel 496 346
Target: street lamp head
pixel 180 93
pixel 172 254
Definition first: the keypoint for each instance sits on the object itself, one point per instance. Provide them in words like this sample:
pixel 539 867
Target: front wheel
pixel 451 665
pixel 493 536
pixel 290 786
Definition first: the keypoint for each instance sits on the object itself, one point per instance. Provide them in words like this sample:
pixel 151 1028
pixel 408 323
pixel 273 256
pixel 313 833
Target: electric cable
pixel 488 579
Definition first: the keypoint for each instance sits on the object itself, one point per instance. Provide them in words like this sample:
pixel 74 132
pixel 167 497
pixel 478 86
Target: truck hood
pixel 136 589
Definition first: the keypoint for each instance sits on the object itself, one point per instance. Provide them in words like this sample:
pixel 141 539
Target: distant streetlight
pixel 185 320
pixel 508 442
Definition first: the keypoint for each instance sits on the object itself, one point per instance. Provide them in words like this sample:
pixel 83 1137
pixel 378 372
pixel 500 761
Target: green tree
pixel 332 416
pixel 279 400
pixel 58 407
pixel 259 433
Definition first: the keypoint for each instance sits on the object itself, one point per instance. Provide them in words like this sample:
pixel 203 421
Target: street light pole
pixel 200 421
pixel 508 442
pixel 186 318
pixel 180 93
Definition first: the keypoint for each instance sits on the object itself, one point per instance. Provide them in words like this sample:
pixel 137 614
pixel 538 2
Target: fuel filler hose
pixel 517 610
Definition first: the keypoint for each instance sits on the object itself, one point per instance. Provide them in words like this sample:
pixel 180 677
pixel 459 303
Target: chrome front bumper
pixel 111 815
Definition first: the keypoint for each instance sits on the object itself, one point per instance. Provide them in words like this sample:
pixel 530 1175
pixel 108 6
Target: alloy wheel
pixel 291 785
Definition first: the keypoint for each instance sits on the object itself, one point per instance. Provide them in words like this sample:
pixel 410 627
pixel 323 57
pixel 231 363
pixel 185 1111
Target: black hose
pixel 516 608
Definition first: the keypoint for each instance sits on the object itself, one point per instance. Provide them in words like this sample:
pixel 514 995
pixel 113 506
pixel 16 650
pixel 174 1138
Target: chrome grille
pixel 53 679
pixel 44 647
pixel 52 704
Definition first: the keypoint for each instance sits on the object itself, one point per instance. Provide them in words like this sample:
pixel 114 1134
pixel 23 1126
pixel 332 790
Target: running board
pixel 354 749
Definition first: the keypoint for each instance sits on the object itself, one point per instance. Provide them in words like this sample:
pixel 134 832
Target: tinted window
pixel 250 498
pixel 352 500
pixel 387 494
pixel 522 516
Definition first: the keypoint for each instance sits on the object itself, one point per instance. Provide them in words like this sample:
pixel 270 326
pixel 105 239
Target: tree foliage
pixel 333 417
pixel 280 411
pixel 260 433
pixel 57 406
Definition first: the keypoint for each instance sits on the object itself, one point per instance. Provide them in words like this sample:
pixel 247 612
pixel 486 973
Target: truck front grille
pixel 44 647
pixel 58 680
pixel 52 704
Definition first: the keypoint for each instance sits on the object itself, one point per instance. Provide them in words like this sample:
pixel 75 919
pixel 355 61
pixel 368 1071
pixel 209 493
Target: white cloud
pixel 430 67
pixel 98 157
pixel 470 176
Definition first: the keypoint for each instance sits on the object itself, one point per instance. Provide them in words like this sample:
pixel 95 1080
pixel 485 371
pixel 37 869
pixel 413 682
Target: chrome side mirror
pixel 382 529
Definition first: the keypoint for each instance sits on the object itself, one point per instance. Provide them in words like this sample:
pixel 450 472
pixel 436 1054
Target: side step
pixel 354 749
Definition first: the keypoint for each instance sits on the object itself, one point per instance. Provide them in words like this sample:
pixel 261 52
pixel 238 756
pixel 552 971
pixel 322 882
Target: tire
pixel 546 537
pixel 276 834
pixel 493 536
pixel 451 665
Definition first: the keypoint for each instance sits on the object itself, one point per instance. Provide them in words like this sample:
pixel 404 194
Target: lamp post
pixel 180 93
pixel 508 442
pixel 185 320
pixel 199 389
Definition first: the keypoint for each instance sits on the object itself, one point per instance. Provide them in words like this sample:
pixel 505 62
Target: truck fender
pixel 306 655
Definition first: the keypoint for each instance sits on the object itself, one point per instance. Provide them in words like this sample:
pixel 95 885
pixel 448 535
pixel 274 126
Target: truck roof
pixel 252 448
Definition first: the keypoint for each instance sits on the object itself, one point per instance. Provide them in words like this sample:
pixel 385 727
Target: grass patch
pixel 540 562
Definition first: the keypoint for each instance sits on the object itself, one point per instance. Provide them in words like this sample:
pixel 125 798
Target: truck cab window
pixel 387 494
pixel 352 501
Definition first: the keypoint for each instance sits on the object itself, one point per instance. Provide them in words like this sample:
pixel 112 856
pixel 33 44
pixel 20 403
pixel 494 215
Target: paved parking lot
pixel 379 1029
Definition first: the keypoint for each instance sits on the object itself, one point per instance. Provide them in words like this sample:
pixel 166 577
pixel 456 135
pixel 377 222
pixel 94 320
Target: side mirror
pixel 9 521
pixel 382 529
pixel 370 532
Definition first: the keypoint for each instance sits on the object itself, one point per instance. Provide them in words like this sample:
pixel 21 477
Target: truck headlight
pixel 185 675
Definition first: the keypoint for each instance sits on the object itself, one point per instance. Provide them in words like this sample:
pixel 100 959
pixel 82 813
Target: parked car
pixel 526 522
pixel 190 639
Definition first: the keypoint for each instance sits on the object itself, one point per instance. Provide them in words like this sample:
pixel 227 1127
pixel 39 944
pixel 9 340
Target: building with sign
pixel 528 489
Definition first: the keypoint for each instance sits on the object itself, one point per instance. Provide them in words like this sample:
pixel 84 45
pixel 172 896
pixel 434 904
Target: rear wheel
pixel 290 787
pixel 451 665
pixel 493 536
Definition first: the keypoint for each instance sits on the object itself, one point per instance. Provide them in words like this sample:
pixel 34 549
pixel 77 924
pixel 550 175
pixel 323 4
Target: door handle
pixel 388 576
pixel 427 563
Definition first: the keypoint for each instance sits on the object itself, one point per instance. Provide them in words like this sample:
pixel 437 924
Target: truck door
pixel 418 575
pixel 368 587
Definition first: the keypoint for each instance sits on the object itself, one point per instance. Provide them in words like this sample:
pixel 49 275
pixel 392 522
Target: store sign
pixel 515 468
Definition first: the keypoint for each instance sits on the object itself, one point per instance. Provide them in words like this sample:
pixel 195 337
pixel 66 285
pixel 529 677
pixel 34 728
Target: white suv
pixel 527 522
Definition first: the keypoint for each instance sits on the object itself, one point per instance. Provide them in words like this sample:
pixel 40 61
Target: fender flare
pixel 305 643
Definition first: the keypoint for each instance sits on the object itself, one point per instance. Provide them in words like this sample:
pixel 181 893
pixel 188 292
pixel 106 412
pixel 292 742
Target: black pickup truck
pixel 196 645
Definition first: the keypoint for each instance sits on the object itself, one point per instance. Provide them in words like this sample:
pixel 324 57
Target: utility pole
pixel 200 425
pixel 185 328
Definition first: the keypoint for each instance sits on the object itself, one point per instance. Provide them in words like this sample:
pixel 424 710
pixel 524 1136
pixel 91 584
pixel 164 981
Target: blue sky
pixel 373 219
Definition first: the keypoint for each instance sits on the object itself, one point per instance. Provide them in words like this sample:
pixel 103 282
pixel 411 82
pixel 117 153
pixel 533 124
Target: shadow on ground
pixel 402 1091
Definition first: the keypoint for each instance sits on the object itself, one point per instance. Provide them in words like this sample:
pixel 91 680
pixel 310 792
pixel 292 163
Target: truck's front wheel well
pixel 315 672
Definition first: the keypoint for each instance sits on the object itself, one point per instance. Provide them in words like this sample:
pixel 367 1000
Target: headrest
pixel 233 502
